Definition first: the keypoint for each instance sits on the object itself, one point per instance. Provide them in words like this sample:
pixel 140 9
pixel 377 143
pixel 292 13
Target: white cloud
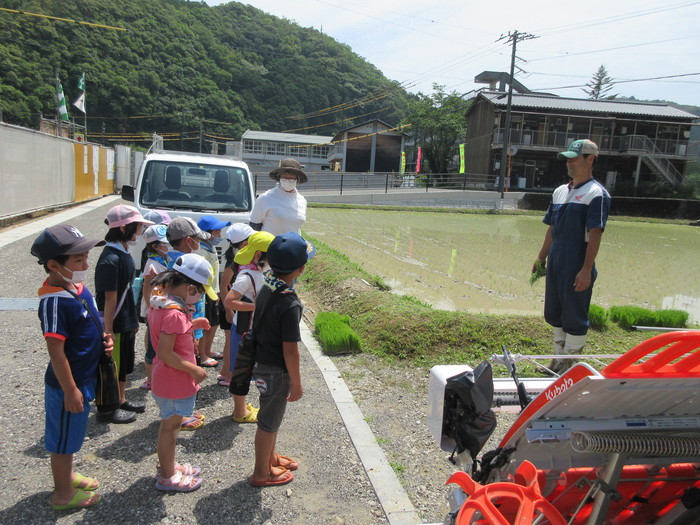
pixel 452 41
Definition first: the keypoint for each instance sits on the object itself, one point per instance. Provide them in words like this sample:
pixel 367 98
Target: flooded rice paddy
pixel 481 263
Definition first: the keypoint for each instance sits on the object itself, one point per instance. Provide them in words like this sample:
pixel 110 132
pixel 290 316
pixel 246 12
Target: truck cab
pixel 192 185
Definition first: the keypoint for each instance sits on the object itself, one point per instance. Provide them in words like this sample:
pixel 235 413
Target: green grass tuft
pixel 599 317
pixel 628 316
pixel 335 335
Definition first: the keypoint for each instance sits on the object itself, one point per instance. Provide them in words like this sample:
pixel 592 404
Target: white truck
pixel 192 185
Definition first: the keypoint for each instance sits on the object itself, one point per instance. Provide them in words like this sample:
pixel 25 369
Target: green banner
pixel 461 158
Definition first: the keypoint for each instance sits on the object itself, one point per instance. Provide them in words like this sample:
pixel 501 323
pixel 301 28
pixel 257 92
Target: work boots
pixel 565 344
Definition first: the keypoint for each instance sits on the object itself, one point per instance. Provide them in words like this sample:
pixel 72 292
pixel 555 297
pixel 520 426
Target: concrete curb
pixel 397 507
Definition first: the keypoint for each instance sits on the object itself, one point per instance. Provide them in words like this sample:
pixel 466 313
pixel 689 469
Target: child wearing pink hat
pixel 114 275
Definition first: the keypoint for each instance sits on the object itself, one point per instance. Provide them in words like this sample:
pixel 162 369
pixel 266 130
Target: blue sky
pixel 420 43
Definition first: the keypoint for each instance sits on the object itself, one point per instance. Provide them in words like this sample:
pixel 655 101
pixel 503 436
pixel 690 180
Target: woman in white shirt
pixel 281 209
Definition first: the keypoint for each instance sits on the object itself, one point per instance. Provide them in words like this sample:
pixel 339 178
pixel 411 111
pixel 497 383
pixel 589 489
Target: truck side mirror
pixel 128 193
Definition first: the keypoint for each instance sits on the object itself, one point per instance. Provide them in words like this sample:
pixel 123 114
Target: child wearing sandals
pixel 207 249
pixel 248 283
pixel 154 260
pixel 76 341
pixel 277 373
pixel 176 376
pixel 237 236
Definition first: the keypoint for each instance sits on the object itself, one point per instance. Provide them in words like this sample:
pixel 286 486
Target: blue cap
pixel 209 223
pixel 289 252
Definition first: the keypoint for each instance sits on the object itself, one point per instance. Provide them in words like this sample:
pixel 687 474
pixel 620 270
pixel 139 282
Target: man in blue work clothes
pixel 576 218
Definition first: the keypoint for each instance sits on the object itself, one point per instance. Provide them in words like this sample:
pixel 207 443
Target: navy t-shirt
pixel 281 324
pixel 63 317
pixel 114 272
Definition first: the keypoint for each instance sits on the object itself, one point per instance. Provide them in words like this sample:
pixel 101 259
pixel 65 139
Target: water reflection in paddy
pixel 481 263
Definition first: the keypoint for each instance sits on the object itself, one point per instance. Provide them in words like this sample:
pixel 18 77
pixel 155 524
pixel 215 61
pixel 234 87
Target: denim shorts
pixel 273 384
pixel 175 407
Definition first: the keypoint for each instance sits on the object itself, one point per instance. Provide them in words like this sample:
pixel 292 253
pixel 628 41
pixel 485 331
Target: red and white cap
pixel 123 214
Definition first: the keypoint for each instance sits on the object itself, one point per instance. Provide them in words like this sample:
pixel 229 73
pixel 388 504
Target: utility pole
pixel 513 37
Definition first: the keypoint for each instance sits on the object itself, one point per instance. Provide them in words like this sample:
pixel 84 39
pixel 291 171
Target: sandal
pixel 199 415
pixel 217 355
pixel 210 363
pixel 178 483
pixel 274 479
pixel 223 382
pixel 84 483
pixel 146 385
pixel 191 423
pixel 285 463
pixel 186 469
pixel 250 417
pixel 81 500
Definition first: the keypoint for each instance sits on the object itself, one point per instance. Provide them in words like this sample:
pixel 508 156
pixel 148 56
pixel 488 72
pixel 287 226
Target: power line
pixel 16 12
pixel 624 81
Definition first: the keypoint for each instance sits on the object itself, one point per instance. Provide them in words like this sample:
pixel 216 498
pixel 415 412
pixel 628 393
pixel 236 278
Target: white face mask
pixel 193 299
pixel 77 276
pixel 288 184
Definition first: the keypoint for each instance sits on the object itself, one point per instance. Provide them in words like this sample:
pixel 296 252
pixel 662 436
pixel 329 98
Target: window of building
pixel 253 146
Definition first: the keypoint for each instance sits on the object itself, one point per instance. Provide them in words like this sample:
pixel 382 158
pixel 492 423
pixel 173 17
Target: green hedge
pixel 335 335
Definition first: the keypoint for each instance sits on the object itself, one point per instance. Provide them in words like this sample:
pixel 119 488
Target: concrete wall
pixel 39 171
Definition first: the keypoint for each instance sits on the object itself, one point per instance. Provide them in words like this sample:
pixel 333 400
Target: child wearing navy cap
pixel 277 373
pixel 75 340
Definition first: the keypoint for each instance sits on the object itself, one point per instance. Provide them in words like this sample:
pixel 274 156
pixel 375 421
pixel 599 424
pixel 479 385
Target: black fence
pixel 339 182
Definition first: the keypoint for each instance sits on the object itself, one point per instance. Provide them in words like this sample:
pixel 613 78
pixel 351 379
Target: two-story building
pixel 263 150
pixel 638 141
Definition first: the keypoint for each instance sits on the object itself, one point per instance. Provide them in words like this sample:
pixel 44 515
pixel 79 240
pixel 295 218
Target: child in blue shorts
pixel 75 340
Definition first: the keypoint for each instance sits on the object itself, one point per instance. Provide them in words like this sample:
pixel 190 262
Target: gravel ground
pixel 331 486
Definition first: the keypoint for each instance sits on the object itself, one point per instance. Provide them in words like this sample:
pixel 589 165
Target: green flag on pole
pixel 62 109
pixel 461 158
pixel 80 101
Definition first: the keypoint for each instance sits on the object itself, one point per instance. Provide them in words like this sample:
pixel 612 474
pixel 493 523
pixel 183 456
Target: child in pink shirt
pixel 176 376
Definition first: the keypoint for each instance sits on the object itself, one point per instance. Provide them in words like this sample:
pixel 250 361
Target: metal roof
pixel 586 105
pixel 296 138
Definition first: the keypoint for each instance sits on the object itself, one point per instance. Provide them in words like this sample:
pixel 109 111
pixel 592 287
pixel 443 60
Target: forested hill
pixel 232 66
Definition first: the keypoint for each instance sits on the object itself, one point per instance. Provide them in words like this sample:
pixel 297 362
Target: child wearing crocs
pixel 277 373
pixel 249 281
pixel 176 376
pixel 75 340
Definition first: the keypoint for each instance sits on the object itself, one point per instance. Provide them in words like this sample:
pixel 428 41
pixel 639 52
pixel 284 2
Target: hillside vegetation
pixel 179 62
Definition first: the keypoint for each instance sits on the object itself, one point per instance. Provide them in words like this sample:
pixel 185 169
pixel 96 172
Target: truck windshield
pixel 182 185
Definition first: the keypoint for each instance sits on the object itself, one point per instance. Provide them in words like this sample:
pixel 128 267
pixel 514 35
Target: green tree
pixel 438 122
pixel 600 85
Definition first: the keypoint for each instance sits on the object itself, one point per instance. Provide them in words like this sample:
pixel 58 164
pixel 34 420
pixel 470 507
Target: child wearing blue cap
pixel 207 249
pixel 277 335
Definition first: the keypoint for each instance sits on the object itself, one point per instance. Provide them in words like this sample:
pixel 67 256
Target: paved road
pixel 332 484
